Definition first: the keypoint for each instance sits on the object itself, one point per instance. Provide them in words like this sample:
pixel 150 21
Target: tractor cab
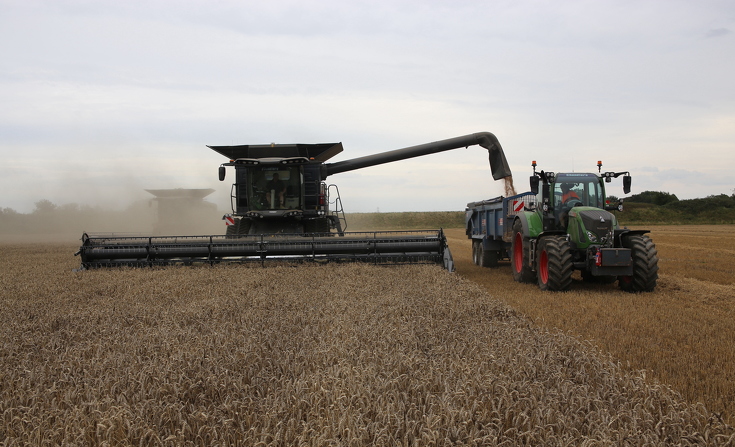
pixel 573 194
pixel 578 190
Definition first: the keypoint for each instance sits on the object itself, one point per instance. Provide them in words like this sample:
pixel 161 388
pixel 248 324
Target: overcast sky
pixel 103 99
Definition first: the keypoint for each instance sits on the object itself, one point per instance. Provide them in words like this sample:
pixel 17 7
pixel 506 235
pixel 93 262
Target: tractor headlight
pixel 591 236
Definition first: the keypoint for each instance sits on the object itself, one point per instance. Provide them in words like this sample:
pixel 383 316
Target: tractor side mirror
pixel 221 173
pixel 534 184
pixel 626 183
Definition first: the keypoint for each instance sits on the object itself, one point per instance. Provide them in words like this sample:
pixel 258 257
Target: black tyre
pixel 488 258
pixel 241 228
pixel 232 229
pixel 554 265
pixel 520 255
pixel 320 225
pixel 475 249
pixel 645 265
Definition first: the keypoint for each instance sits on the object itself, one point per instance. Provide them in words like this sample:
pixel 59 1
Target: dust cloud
pixel 64 223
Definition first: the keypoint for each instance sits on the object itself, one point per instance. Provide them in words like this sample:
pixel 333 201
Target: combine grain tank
pixel 282 208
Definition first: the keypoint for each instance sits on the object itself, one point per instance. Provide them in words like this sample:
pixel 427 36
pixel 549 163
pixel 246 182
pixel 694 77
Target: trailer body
pixel 485 225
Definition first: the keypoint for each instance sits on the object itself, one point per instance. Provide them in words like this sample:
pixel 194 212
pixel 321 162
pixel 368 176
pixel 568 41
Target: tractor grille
pixel 597 221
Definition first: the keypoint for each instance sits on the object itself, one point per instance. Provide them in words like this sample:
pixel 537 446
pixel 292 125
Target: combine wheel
pixel 233 230
pixel 554 265
pixel 645 265
pixel 320 225
pixel 241 228
pixel 520 248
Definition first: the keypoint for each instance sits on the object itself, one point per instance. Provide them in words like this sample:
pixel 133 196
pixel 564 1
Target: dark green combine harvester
pixel 283 209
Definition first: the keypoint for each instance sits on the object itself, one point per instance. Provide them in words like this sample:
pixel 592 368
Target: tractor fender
pixel 531 223
pixel 622 232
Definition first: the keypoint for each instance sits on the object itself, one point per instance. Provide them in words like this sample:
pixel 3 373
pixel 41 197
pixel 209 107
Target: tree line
pixel 663 207
pixel 647 207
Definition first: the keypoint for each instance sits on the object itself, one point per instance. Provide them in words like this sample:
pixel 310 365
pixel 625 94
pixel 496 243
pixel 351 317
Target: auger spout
pixel 498 163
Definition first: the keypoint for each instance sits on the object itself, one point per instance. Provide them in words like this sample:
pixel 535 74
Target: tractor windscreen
pixel 576 188
pixel 275 187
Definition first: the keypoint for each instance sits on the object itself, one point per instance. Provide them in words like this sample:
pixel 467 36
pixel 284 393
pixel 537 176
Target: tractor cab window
pixel 579 190
pixel 275 187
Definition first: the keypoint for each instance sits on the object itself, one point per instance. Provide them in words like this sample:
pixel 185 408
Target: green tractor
pixel 570 227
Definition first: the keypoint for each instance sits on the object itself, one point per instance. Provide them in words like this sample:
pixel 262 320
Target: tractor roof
pixel 320 151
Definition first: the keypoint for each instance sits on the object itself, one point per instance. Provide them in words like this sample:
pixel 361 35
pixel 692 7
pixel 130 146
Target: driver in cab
pixel 568 197
pixel 567 193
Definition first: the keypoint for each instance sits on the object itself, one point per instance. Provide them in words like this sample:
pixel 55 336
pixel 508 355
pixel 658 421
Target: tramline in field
pixel 282 208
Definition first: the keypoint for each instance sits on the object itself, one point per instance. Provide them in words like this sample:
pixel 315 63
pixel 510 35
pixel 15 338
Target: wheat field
pixel 305 355
pixel 681 334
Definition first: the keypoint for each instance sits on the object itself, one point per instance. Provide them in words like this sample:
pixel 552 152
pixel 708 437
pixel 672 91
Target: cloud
pixel 107 97
pixel 718 32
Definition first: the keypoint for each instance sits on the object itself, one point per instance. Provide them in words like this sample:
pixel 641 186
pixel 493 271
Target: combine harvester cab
pixel 563 224
pixel 282 209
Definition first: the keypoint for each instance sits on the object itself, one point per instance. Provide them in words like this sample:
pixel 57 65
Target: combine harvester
pixel 281 211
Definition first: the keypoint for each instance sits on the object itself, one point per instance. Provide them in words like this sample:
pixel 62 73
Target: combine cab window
pixel 275 187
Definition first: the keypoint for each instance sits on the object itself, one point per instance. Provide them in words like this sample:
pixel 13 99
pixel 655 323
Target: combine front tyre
pixel 554 265
pixel 240 228
pixel 645 265
pixel 520 257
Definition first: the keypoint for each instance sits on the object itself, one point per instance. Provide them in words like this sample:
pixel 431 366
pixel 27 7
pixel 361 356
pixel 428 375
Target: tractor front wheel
pixel 519 252
pixel 554 265
pixel 645 265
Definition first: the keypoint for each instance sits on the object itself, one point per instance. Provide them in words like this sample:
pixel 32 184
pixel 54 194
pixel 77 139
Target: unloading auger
pixel 282 209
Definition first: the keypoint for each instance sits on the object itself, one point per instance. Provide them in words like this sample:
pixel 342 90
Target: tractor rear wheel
pixel 520 255
pixel 554 265
pixel 645 265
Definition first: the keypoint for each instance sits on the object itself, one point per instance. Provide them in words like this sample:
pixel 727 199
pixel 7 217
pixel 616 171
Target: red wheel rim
pixel 543 267
pixel 518 253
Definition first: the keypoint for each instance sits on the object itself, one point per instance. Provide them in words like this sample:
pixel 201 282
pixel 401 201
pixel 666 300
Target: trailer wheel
pixel 520 255
pixel 475 249
pixel 489 258
pixel 645 265
pixel 554 265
